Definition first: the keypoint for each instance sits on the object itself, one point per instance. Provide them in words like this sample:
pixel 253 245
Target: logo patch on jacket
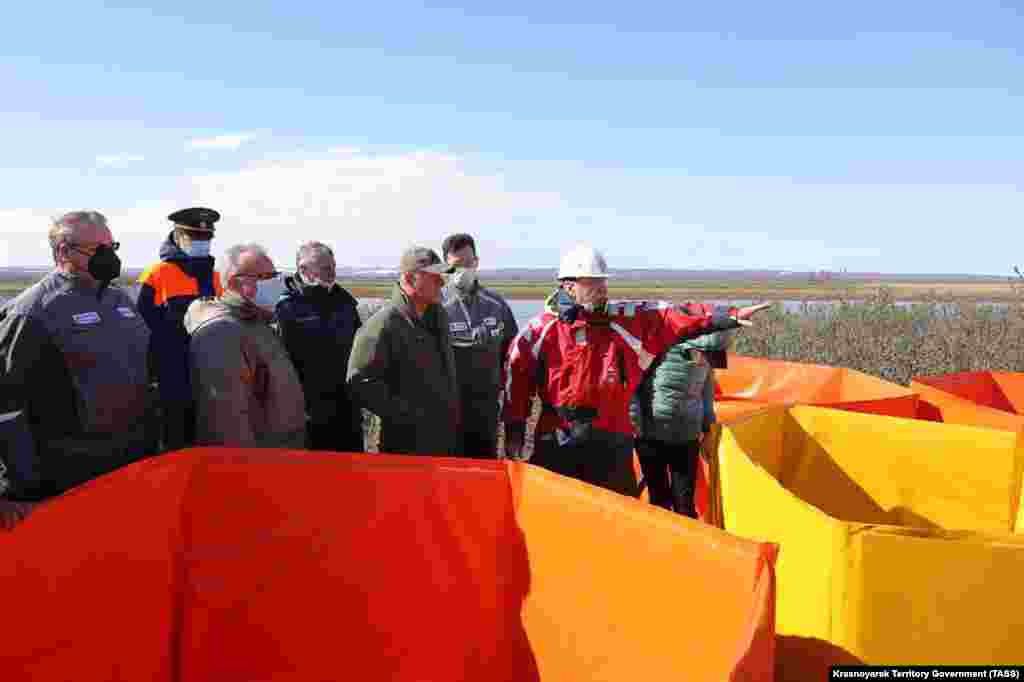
pixel 86 318
pixel 458 326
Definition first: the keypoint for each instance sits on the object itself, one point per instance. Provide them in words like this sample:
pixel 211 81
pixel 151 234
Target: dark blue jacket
pixel 318 326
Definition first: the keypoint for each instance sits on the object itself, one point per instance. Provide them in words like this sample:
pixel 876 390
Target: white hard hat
pixel 583 261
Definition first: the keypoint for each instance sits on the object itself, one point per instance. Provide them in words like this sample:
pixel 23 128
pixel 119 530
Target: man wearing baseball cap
pixel 402 368
pixel 184 273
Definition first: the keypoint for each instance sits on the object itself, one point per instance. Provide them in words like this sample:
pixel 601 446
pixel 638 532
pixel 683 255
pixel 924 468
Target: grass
pixel 13 287
pixel 939 335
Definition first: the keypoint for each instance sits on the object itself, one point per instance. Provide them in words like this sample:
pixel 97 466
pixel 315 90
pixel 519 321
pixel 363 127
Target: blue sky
pixel 870 136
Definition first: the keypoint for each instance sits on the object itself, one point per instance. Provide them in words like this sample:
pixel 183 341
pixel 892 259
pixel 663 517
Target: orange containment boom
pixel 220 564
pixel 798 383
pixel 992 399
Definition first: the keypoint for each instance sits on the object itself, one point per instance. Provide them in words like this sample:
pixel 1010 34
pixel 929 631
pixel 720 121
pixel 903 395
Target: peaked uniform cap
pixel 196 218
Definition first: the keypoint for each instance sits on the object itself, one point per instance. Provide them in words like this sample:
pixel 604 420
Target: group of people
pixel 234 353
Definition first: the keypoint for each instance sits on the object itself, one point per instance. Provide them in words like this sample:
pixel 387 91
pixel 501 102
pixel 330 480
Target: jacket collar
pixel 230 304
pixel 244 309
pixel 451 292
pixel 294 288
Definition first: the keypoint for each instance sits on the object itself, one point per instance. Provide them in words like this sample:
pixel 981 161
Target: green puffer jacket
pixel 675 401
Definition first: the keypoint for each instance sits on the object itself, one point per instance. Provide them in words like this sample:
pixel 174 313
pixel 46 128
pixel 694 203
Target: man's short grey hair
pixel 228 263
pixel 62 229
pixel 312 251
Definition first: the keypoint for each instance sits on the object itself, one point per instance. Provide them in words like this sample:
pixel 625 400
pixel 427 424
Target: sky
pixel 868 136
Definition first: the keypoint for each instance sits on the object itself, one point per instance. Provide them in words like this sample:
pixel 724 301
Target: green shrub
pixel 894 342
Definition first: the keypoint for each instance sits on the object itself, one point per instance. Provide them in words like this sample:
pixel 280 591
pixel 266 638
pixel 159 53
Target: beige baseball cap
pixel 422 259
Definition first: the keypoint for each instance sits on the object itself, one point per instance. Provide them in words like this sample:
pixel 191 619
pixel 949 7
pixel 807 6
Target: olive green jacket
pixel 403 370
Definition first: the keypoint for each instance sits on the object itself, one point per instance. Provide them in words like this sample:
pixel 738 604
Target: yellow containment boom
pixel 896 536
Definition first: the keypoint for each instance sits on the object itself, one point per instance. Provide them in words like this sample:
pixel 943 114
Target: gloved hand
pixel 13 513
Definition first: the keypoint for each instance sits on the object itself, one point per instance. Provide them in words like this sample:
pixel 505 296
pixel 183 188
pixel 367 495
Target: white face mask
pixel 313 281
pixel 464 279
pixel 197 249
pixel 268 292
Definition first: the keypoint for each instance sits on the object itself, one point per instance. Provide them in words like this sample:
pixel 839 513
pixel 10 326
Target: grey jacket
pixel 481 326
pixel 73 385
pixel 247 392
pixel 402 369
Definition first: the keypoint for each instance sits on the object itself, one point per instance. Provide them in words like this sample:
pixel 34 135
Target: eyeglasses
pixel 113 246
pixel 263 276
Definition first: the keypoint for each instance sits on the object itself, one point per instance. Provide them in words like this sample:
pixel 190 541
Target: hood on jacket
pixel 170 251
pixel 715 341
pixel 559 301
pixel 203 310
pixel 714 346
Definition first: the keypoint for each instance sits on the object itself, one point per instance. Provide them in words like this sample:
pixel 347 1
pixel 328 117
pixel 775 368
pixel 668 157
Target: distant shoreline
pixel 769 290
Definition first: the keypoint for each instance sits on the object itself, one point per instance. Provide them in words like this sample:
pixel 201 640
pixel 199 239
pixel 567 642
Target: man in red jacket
pixel 585 364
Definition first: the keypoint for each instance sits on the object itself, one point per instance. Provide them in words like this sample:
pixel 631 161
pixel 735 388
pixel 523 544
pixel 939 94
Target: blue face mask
pixel 197 249
pixel 268 293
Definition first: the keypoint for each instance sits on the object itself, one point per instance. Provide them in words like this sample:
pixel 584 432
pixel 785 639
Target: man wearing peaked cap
pixel 184 273
pixel 402 368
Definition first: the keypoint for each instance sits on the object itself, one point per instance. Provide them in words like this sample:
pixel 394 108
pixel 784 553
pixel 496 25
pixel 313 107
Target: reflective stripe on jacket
pixel 166 290
pixel 588 369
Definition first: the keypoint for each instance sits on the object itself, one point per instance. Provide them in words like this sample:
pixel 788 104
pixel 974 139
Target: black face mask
pixel 104 265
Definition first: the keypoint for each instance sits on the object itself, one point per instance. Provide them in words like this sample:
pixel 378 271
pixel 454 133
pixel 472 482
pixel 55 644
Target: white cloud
pixel 118 159
pixel 232 142
pixel 369 208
